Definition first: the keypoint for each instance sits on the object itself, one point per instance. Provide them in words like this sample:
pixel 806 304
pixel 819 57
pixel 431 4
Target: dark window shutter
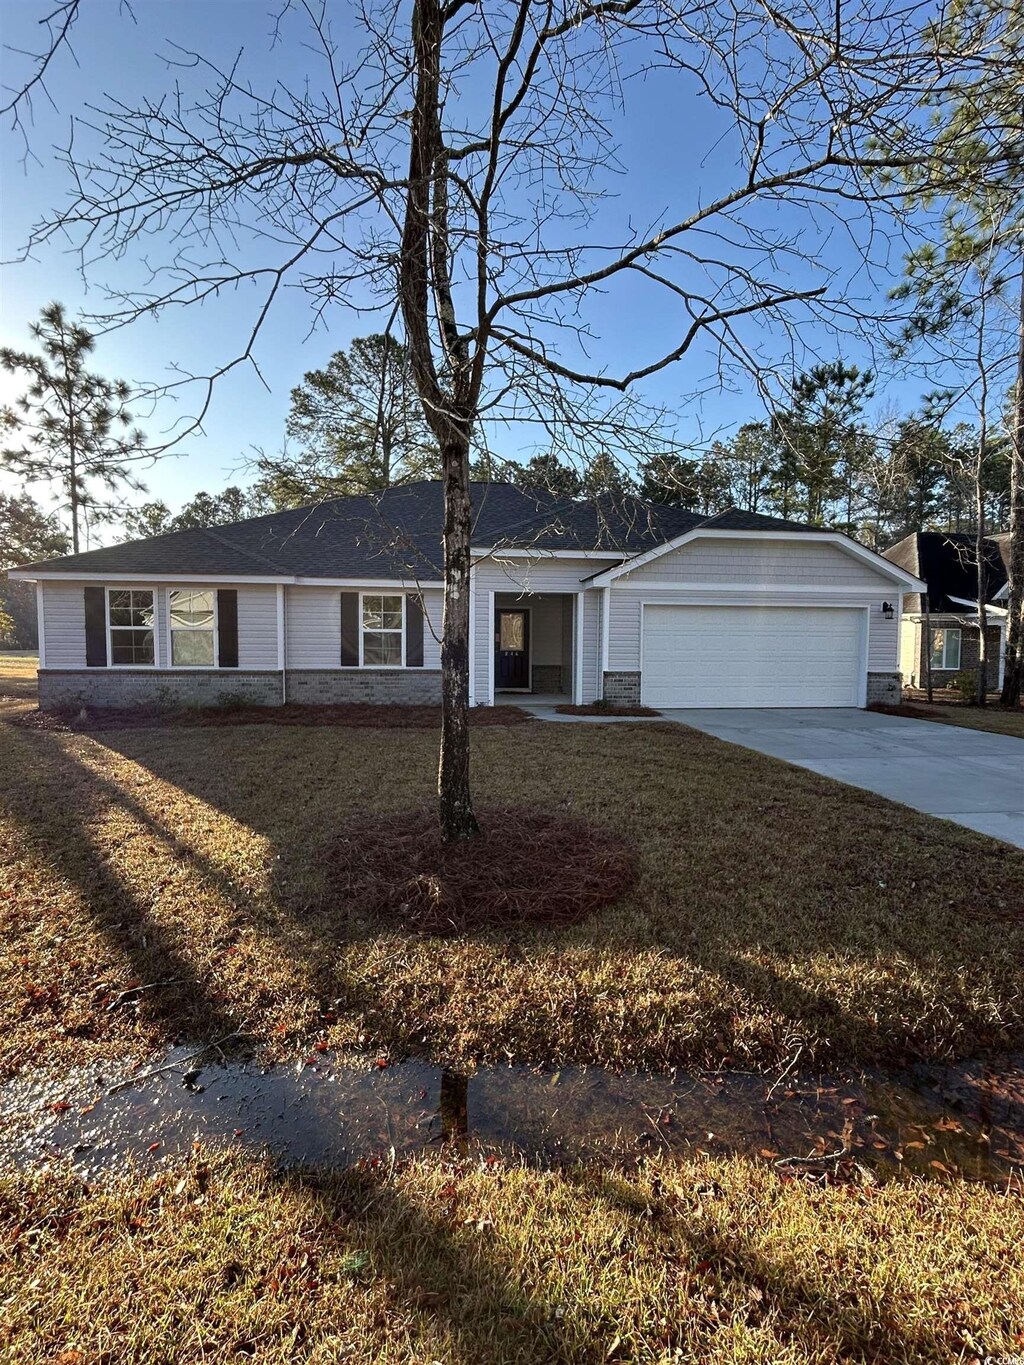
pixel 414 632
pixel 350 630
pixel 96 627
pixel 227 628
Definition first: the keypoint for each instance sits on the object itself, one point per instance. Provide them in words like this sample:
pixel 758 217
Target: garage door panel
pixel 751 656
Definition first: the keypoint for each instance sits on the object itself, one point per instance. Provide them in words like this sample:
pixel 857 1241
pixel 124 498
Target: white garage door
pixel 752 656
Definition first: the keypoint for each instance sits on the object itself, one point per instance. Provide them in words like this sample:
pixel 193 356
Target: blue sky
pixel 667 145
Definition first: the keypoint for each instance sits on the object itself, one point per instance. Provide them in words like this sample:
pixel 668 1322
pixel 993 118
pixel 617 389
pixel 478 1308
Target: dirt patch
pixel 525 867
pixel 352 716
pixel 596 708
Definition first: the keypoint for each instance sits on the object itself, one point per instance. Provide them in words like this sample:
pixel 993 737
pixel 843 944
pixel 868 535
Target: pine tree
pixel 70 427
pixel 359 426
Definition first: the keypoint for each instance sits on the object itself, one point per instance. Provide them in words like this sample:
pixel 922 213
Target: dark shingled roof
pixel 945 561
pixel 398 534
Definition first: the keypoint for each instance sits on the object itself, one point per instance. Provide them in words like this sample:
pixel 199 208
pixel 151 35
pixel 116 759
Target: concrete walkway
pixel 967 776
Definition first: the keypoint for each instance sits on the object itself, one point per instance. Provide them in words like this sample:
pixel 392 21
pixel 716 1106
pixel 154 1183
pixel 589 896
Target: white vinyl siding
pixel 752 656
pixel 765 563
pixel 910 651
pixel 313 626
pixel 257 626
pixel 593 684
pixel 64 624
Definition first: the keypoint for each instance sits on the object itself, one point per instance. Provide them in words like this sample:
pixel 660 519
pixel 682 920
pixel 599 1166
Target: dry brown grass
pixel 18 668
pixel 712 1261
pixel 771 903
pixel 993 718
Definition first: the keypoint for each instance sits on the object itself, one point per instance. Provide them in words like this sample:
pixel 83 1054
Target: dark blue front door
pixel 512 649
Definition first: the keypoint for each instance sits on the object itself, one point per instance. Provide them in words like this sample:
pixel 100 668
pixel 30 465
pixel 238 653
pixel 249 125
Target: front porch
pixel 534 635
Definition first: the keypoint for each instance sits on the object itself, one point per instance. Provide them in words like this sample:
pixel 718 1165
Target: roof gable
pixel 945 561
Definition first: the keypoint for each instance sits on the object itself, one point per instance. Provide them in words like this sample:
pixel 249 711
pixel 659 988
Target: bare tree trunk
pixel 1014 666
pixel 455 802
pixel 982 584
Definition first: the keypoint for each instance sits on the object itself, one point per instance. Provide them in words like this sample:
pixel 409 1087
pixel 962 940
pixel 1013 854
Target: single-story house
pixel 608 597
pixel 944 623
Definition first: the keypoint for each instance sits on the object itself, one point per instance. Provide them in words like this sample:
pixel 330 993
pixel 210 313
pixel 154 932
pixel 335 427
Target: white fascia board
pixel 881 565
pixel 966 602
pixel 239 580
pixel 64 576
pixel 405 583
pixel 500 552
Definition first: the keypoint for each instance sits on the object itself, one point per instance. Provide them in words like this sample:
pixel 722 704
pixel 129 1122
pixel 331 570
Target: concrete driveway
pixel 967 776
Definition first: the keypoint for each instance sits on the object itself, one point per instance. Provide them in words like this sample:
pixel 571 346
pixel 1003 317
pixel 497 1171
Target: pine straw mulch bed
pixel 597 708
pixel 525 867
pixel 363 716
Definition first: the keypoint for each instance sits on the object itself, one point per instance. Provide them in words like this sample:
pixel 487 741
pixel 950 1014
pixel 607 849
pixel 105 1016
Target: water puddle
pixel 965 1120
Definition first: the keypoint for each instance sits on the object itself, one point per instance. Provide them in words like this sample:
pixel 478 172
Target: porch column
pixel 472 635
pixel 577 672
pixel 281 661
pixel 490 649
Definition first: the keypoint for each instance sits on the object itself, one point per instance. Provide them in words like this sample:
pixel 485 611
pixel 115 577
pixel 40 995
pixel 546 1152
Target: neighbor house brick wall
pixel 622 688
pixel 388 686
pixel 884 687
pixel 970 637
pixel 163 687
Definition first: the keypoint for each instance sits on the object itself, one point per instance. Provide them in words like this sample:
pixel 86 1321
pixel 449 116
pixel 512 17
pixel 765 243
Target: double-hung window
pixel 130 620
pixel 193 621
pixel 382 630
pixel 946 649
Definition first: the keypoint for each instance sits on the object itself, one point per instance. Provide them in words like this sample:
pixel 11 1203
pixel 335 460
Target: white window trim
pixel 194 668
pixel 947 631
pixel 374 668
pixel 134 587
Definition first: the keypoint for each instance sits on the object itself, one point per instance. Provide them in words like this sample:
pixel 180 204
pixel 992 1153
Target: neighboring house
pixel 944 624
pixel 603 598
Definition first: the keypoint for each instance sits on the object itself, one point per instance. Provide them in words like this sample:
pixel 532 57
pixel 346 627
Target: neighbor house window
pixel 193 625
pixel 130 620
pixel 946 649
pixel 382 632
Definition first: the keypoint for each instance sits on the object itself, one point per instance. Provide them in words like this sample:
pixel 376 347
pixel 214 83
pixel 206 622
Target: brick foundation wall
pixel 546 678
pixel 146 687
pixel 390 686
pixel 622 688
pixel 884 687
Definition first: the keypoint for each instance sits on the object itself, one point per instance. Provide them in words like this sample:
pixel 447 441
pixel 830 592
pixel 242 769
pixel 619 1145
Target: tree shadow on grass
pixel 769 1290
pixel 54 813
pixel 707 848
